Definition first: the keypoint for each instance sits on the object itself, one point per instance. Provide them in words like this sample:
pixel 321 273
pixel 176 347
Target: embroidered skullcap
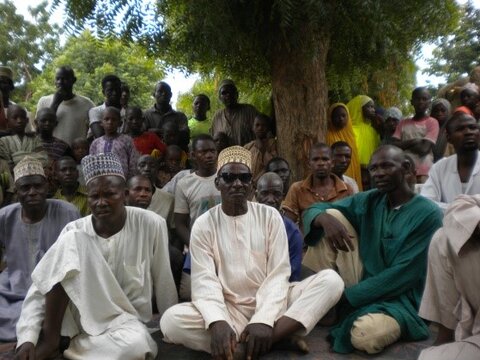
pixel 234 154
pixel 7 72
pixel 28 166
pixel 101 165
pixel 470 86
pixel 393 112
pixel 226 82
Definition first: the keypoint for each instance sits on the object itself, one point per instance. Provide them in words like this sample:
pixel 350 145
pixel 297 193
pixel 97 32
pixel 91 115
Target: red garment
pixel 147 142
pixel 465 110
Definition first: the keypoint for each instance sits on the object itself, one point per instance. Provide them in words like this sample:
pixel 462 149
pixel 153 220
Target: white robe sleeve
pixel 31 318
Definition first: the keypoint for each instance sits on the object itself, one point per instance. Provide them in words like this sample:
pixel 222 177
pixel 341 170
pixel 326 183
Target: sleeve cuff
pixel 27 336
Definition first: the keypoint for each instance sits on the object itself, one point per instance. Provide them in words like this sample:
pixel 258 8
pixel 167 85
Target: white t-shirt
pixel 72 116
pixel 195 195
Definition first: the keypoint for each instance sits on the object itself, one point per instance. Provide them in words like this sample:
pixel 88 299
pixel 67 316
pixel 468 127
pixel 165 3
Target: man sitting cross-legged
pixel 242 302
pixel 384 266
pixel 96 283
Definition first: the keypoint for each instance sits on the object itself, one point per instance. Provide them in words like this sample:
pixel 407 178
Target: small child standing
pixel 146 142
pixel 173 162
pixel 418 135
pixel 45 122
pixel 13 148
pixel 263 148
pixel 80 149
pixel 113 142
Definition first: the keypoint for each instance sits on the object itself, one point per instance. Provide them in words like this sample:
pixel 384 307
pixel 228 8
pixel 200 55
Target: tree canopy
pixel 26 45
pixel 458 53
pixel 92 59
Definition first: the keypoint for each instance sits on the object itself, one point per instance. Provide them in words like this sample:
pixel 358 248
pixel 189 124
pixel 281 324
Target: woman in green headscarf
pixel 362 112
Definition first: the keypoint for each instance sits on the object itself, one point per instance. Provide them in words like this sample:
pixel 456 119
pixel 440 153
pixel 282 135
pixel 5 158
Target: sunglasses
pixel 229 178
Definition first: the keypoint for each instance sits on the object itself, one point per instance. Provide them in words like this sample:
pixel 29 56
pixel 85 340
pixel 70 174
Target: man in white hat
pixel 242 302
pixel 98 280
pixel 27 230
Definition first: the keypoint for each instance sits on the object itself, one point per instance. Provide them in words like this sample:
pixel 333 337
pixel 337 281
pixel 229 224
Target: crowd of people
pixel 110 214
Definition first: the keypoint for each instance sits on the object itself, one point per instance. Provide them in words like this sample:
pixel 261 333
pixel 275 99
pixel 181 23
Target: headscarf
pixel 442 148
pixel 445 103
pixel 394 113
pixel 346 134
pixel 366 136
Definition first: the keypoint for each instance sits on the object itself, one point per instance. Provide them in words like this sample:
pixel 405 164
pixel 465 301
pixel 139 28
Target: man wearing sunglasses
pixel 242 302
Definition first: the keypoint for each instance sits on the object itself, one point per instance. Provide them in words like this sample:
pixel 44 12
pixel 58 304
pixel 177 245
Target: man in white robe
pixel 95 284
pixel 242 302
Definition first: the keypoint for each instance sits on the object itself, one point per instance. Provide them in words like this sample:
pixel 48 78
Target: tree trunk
pixel 300 97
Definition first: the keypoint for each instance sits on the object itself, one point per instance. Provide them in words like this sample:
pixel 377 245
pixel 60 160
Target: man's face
pixel 140 193
pixel 464 134
pixel 106 197
pixel 66 172
pixel 270 192
pixel 234 181
pixel 228 95
pixel 320 162
pixel 32 191
pixel 112 93
pixel 147 166
pixel 205 154
pixel 342 155
pixel 386 170
pixel 281 169
pixel 162 94
pixel 200 105
pixel 260 128
pixel 64 80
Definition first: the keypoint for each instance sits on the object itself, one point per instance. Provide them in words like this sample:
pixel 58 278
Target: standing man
pixel 27 230
pixel 96 283
pixel 242 300
pixel 111 90
pixel 162 112
pixel 235 120
pixel 383 267
pixel 342 157
pixel 451 298
pixel 320 186
pixel 71 109
pixel 458 173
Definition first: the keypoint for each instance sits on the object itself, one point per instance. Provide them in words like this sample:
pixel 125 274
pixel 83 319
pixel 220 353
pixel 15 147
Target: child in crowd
pixel 146 142
pixel 173 162
pixel 80 149
pixel 13 148
pixel 418 135
pixel 263 148
pixel 441 111
pixel 469 97
pixel 199 123
pixel 113 142
pixel 392 117
pixel 171 135
pixel 45 123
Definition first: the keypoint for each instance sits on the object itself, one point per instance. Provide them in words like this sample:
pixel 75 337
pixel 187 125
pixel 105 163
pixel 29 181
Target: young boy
pixel 173 162
pixel 13 148
pixel 263 148
pixel 199 124
pixel 418 135
pixel 80 149
pixel 45 123
pixel 113 142
pixel 146 142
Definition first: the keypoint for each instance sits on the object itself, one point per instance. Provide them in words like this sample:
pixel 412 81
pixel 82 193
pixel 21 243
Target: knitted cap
pixel 234 154
pixel 101 165
pixel 28 166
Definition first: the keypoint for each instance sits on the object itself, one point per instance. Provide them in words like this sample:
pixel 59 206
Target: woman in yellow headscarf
pixel 362 111
pixel 340 129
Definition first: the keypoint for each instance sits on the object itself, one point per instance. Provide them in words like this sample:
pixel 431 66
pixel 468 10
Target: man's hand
pixel 258 338
pixel 25 352
pixel 335 234
pixel 223 342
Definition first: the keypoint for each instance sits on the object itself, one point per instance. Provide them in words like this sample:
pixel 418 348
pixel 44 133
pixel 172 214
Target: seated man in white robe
pixel 242 302
pixel 452 298
pixel 95 284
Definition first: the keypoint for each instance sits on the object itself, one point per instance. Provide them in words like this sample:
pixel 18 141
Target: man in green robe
pixel 384 266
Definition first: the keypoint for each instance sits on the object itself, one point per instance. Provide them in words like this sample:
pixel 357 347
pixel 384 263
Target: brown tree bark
pixel 300 96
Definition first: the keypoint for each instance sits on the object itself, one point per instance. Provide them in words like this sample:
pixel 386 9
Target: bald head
pixel 388 168
pixel 270 190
